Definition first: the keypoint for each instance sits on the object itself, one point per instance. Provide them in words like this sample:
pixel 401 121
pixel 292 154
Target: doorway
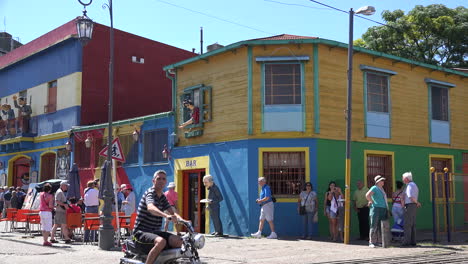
pixel 47 166
pixel 21 173
pixel 194 191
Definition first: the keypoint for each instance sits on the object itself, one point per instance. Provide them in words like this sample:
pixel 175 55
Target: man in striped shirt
pixel 152 208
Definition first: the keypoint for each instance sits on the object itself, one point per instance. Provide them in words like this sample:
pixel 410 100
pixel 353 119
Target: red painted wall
pixel 139 89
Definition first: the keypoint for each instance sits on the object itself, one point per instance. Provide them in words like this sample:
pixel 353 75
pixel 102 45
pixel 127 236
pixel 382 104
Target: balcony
pixel 17 135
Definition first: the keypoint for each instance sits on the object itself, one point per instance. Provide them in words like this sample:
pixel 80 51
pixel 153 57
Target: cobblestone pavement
pixel 14 248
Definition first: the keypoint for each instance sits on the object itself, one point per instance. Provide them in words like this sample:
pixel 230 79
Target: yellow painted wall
pixel 228 76
pixel 68 94
pixel 409 100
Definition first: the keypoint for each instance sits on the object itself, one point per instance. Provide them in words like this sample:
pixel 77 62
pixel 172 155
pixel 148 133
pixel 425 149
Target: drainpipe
pixel 171 74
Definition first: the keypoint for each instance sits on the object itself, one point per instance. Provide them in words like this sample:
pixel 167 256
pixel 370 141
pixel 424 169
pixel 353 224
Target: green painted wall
pixel 331 166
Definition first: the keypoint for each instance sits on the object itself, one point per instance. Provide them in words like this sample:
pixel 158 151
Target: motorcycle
pixel 187 253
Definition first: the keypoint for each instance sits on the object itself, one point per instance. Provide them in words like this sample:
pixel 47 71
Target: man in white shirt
pixel 91 202
pixel 411 205
pixel 129 204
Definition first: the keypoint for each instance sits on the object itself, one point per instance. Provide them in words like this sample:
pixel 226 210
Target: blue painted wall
pixel 45 66
pixel 58 121
pixel 234 167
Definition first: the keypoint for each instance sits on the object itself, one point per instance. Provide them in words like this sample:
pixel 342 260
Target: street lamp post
pixel 106 230
pixel 365 10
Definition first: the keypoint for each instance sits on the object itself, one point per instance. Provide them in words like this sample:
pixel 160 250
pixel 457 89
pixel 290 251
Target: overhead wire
pixel 215 17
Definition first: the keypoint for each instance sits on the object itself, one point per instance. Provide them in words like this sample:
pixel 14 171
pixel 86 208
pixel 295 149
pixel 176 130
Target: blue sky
pixel 178 22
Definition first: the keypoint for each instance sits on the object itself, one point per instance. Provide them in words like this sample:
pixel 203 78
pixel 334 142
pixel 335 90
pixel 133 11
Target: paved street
pixel 16 249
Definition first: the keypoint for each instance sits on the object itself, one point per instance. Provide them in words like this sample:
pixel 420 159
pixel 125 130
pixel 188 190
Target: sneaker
pixel 47 244
pixel 257 235
pixel 272 236
pixel 53 241
pixel 371 245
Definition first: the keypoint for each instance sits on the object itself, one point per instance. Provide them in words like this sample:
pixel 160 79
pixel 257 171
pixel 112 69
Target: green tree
pixel 432 34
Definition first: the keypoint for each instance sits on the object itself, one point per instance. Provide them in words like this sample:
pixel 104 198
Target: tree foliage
pixel 432 34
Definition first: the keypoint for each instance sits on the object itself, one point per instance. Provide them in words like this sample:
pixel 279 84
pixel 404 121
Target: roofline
pixel 67 37
pixel 310 41
pixel 123 122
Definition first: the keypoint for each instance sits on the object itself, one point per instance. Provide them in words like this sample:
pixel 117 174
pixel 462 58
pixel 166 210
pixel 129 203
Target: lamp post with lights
pixel 365 10
pixel 85 30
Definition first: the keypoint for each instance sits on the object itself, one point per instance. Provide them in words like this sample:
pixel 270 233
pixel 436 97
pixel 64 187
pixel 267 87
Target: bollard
pixel 386 235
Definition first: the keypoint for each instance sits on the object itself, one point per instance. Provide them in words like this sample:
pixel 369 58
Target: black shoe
pixel 214 233
pixel 405 245
pixel 53 241
pixel 218 234
pixel 68 241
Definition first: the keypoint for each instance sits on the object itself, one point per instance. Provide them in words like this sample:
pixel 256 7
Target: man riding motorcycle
pixel 147 233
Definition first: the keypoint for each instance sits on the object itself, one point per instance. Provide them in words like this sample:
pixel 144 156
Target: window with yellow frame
pixel 286 170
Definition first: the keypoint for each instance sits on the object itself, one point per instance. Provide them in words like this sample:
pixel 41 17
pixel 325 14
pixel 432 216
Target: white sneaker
pixel 257 235
pixel 371 245
pixel 272 236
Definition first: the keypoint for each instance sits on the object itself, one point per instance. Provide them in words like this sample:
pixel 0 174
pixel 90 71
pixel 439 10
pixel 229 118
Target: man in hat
pixel 377 201
pixel 24 113
pixel 129 203
pixel 411 206
pixel 60 218
pixel 172 198
pixel 194 113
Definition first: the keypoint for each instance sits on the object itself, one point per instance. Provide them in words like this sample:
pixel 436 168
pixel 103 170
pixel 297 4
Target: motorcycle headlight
pixel 199 241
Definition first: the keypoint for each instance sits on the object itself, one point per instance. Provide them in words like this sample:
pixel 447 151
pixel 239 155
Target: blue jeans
pixel 92 233
pixel 307 224
pixel 214 214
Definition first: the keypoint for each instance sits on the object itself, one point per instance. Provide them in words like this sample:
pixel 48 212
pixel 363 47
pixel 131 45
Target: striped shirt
pixel 146 221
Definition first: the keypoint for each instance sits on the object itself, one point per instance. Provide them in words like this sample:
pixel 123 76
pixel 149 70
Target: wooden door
pixel 21 173
pixel 47 167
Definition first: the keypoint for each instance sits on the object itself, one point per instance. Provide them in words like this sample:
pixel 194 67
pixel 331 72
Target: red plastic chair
pixel 74 222
pixel 34 220
pixel 91 224
pixel 10 217
pixel 21 218
pixel 131 224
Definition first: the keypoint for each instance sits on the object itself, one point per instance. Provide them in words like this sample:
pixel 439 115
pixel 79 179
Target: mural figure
pixel 63 164
pixel 24 113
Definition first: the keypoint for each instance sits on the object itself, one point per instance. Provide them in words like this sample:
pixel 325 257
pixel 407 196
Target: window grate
pixel 380 165
pixel 285 172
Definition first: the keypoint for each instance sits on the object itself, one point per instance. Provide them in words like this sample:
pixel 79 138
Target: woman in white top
pixel 308 198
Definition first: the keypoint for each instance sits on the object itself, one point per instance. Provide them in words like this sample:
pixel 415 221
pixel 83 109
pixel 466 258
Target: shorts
pixel 330 213
pixel 60 218
pixel 145 240
pixel 46 220
pixel 267 211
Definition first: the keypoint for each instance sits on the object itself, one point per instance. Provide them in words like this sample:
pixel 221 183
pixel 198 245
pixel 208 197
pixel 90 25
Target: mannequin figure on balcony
pixel 194 114
pixel 8 116
pixel 24 113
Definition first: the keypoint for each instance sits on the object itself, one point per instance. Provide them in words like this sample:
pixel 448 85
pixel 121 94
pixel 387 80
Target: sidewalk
pixel 16 249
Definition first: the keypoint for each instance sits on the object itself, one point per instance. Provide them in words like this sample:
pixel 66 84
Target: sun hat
pixel 379 178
